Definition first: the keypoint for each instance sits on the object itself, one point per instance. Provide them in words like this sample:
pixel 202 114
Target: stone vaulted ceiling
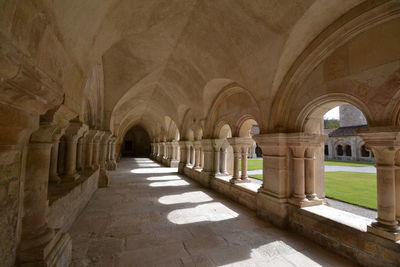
pixel 160 58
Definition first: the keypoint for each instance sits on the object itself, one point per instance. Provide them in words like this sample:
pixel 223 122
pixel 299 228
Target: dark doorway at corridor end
pixel 136 143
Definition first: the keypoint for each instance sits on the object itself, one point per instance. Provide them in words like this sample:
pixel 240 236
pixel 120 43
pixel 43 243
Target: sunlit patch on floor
pixel 154 170
pixel 170 183
pixel 164 178
pixel 189 197
pixel 211 212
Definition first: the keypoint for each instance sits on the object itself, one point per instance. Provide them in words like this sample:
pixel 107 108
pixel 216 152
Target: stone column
pixel 238 143
pixel 207 146
pixel 72 134
pixel 303 147
pixel 298 195
pixel 37 239
pixel 244 162
pixel 103 176
pixel 385 144
pixel 96 149
pixel 183 156
pixel 192 155
pixel 224 156
pixel 197 163
pixel 188 152
pixel 80 158
pixel 217 158
pixel 108 157
pixel 53 175
pixel 89 144
pixel 310 174
pixel 113 160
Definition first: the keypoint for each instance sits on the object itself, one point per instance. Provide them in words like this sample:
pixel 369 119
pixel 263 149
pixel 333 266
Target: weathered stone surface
pixel 178 225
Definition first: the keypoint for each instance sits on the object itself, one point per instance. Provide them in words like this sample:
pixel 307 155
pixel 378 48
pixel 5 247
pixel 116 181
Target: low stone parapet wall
pixel 63 211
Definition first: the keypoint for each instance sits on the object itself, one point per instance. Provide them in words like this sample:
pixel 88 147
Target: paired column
pixel 303 147
pixel 197 155
pixel 96 150
pixel 53 176
pixel 103 178
pixel 385 144
pixel 183 159
pixel 72 134
pixel 37 239
pixel 113 159
pixel 240 147
pixel 89 144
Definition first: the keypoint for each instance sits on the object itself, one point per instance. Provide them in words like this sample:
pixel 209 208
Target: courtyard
pixel 349 182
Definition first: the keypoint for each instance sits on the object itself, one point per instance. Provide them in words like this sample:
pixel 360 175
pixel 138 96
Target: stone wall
pixel 351 116
pixel 63 212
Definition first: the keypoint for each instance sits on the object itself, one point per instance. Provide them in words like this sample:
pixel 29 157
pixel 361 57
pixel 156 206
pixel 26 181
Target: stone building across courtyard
pixel 343 143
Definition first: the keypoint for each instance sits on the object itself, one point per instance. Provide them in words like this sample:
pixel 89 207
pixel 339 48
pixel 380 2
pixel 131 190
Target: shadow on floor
pixel 151 216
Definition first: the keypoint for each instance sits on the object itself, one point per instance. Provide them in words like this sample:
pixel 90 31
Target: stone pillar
pixel 183 156
pixel 89 144
pixel 207 146
pixel 113 161
pixel 39 244
pixel 385 144
pixel 310 174
pixel 244 163
pixel 174 162
pixel 53 175
pixel 197 162
pixel 103 175
pixel 96 150
pixel 275 193
pixel 224 157
pixel 80 159
pixel 108 157
pixel 218 143
pixel 298 195
pixel 72 134
pixel 192 155
pixel 303 147
pixel 239 144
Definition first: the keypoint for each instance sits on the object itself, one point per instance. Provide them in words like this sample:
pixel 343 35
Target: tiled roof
pixel 346 131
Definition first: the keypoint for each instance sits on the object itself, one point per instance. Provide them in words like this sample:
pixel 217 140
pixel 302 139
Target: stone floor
pixel 150 216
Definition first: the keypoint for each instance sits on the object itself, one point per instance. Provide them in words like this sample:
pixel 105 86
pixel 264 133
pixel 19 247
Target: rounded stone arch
pixel 310 118
pixel 88 114
pixel 244 126
pixel 198 133
pixel 222 128
pixel 172 129
pixel 330 44
pixel 230 105
pixel 189 135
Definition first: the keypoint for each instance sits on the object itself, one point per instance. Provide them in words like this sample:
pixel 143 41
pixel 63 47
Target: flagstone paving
pixel 151 216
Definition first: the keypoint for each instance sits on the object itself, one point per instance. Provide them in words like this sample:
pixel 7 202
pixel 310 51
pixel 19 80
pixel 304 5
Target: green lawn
pixel 348 163
pixel 257 164
pixel 353 187
pixel 257 176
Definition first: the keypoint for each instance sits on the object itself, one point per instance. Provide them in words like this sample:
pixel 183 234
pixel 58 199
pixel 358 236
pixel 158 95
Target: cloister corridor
pixel 151 216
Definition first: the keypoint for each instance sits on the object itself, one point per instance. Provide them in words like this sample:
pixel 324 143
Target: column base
pixel 57 252
pixel 377 229
pixel 174 163
pixel 305 202
pixel 70 177
pixel 272 208
pixel 54 179
pixel 239 181
pixel 103 179
pixel 181 167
